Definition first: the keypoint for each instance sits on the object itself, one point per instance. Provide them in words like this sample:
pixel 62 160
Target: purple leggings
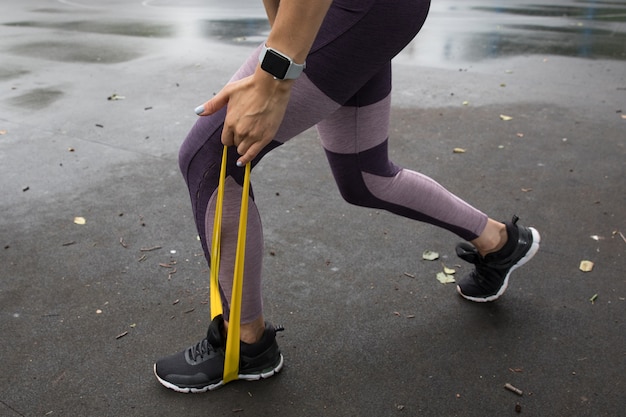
pixel 345 91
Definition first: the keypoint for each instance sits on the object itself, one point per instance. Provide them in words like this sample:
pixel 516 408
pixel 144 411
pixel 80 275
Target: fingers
pixel 216 103
pixel 247 155
pixel 252 118
pixel 199 110
pixel 248 144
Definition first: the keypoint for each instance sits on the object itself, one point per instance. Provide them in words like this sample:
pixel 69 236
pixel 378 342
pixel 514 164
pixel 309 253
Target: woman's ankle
pixel 250 332
pixel 492 239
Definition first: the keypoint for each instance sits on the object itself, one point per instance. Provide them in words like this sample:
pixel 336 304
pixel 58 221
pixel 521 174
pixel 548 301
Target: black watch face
pixel 275 64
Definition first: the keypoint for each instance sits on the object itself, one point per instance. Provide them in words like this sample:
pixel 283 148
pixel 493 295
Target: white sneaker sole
pixel 212 387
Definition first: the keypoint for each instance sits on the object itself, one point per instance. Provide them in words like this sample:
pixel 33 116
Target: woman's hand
pixel 256 108
pixel 257 104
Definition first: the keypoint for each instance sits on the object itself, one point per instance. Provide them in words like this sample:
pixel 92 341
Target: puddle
pixel 49 10
pixel 37 99
pixel 240 30
pixel 9 73
pixel 75 52
pixel 128 28
pixel 582 42
pixel 587 31
pixel 518 40
pixel 588 11
pixel 458 33
pixel 245 30
pixel 252 30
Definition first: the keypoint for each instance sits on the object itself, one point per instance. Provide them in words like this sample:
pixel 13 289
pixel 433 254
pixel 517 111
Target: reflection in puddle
pixel 248 30
pixel 531 40
pixel 583 42
pixel 456 34
pixel 577 31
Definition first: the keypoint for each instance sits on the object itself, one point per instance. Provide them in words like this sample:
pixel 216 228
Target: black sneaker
pixel 200 368
pixel 489 279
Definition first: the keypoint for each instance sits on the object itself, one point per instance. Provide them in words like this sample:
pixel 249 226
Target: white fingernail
pixel 239 164
pixel 199 110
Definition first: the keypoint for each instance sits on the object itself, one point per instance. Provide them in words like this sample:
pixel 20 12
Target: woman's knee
pixel 348 171
pixel 356 193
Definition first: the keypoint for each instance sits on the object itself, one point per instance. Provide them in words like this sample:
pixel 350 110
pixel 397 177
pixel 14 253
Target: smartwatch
pixel 279 65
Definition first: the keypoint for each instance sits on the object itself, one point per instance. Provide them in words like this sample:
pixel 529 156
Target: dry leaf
pixel 80 220
pixel 458 150
pixel 430 255
pixel 586 266
pixel 115 97
pixel 448 271
pixel 505 117
pixel 445 278
pixel 3 132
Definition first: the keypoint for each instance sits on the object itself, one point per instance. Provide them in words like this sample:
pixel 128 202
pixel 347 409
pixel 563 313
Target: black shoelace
pixel 200 349
pixel 204 347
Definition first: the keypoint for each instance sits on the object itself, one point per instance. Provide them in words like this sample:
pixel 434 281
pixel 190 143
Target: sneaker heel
pixel 467 252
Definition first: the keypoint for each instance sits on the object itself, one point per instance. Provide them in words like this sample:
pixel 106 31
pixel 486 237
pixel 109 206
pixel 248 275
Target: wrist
pixel 270 83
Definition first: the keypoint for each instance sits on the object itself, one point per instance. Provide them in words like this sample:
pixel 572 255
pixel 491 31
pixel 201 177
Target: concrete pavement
pixel 86 309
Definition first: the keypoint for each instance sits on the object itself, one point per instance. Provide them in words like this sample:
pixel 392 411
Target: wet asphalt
pixel 95 99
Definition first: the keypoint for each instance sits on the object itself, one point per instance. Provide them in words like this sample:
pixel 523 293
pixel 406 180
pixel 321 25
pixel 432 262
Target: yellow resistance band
pixel 231 360
pixel 216 304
